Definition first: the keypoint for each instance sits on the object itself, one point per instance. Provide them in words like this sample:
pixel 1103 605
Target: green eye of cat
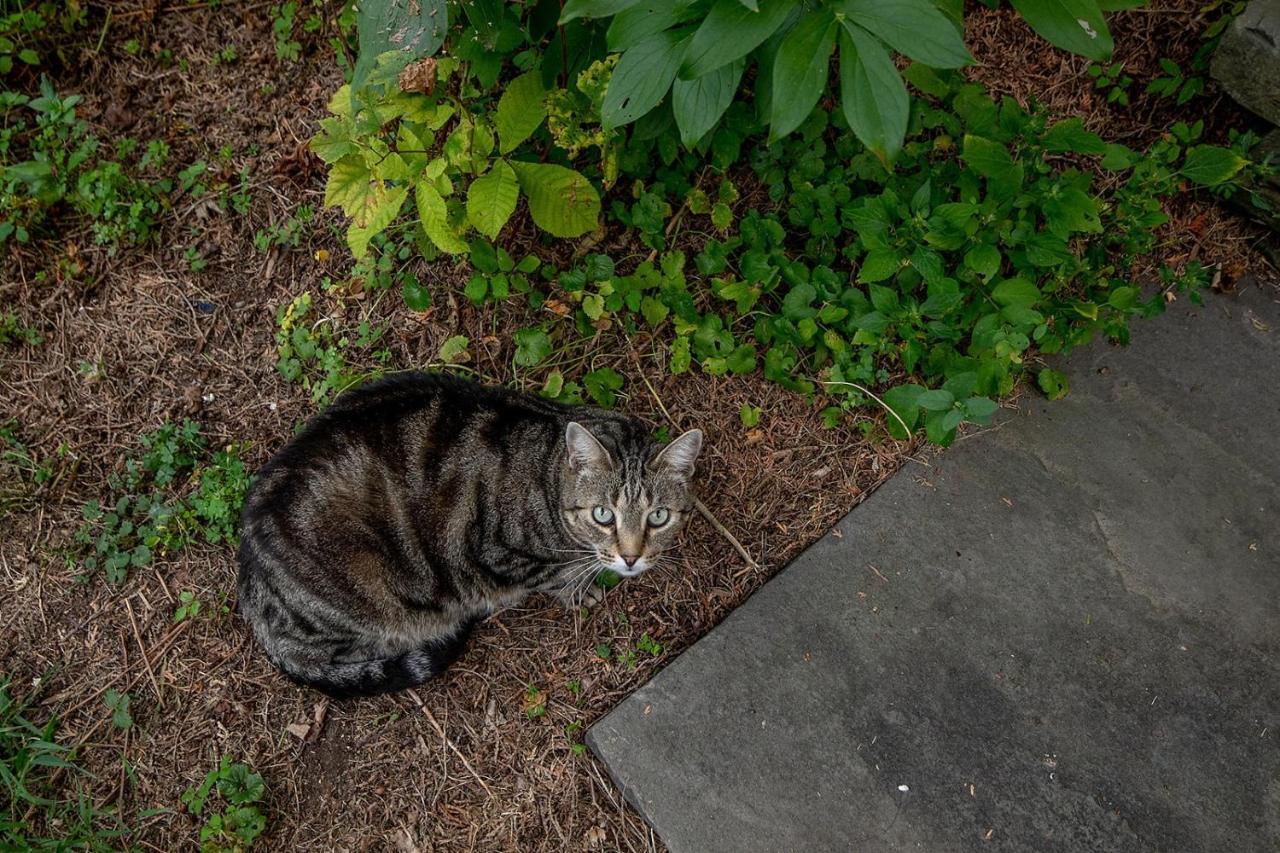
pixel 659 517
pixel 602 515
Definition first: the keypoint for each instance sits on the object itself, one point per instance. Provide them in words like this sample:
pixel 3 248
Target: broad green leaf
pixel 1123 298
pixel 416 295
pixel 532 346
pixel 1071 211
pixel 1074 25
pixel 914 28
pixel 872 93
pixel 937 400
pixel 731 31
pixel 904 401
pixel 1016 291
pixel 333 142
pixel 878 265
pixel 642 77
pixel 603 385
pixel 374 219
pixel 592 9
pixel 987 158
pixel 520 110
pixel 491 199
pixel 980 409
pixel 983 259
pixel 561 201
pixel 434 214
pixel 1070 135
pixel 800 71
pixel 393 33
pixel 1210 165
pixel 1117 158
pixel 646 18
pixel 699 104
pixel 1053 383
pixel 350 185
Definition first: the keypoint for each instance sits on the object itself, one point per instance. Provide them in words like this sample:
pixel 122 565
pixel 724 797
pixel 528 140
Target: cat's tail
pixel 381 675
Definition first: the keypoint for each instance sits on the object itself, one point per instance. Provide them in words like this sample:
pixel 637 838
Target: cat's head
pixel 627 501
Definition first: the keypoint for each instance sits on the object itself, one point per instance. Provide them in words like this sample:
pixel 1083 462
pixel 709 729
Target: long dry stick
pixel 142 649
pixel 444 737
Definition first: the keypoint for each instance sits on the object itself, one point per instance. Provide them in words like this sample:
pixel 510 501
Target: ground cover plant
pixel 226 214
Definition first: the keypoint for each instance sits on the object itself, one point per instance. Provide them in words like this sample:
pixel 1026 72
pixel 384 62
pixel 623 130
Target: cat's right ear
pixel 585 450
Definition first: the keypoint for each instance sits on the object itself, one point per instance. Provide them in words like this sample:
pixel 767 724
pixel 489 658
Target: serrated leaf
pixel 561 201
pixel 349 185
pixel 989 159
pixel 983 259
pixel 375 219
pixel 532 346
pixel 520 110
pixel 1210 165
pixel 1070 135
pixel 434 214
pixel 491 199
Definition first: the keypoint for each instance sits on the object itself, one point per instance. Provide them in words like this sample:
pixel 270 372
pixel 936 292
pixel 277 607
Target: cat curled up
pixel 417 505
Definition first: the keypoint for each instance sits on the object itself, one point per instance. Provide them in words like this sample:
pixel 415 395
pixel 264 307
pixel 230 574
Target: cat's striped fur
pixel 416 505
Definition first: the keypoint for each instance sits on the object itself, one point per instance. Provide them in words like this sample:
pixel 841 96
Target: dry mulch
pixel 136 340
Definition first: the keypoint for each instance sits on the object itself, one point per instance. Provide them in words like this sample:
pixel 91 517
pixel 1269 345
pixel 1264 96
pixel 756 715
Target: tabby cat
pixel 416 505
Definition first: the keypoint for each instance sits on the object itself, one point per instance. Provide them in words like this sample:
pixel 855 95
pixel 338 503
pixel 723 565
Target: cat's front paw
pixel 576 600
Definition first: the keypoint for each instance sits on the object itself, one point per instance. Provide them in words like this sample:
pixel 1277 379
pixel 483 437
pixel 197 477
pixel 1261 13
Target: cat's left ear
pixel 680 456
pixel 585 450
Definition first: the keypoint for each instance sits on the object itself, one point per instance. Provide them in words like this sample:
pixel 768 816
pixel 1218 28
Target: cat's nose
pixel 629 559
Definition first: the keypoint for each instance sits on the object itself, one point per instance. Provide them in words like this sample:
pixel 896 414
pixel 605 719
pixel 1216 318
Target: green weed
pixel 239 821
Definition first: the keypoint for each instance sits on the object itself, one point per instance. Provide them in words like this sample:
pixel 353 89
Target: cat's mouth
pixel 621 567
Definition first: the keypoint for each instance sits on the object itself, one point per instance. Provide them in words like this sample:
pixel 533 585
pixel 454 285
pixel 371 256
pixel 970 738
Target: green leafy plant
pixel 147 513
pixel 1112 79
pixel 118 704
pixel 14 332
pixel 282 23
pixel 188 606
pixel 384 146
pixel 313 354
pixel 240 821
pixel 55 162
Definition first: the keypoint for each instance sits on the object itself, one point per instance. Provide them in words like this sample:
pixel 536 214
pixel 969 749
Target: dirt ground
pixel 459 763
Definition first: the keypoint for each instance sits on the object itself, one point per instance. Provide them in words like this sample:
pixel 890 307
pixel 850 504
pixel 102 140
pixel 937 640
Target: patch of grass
pixel 43 804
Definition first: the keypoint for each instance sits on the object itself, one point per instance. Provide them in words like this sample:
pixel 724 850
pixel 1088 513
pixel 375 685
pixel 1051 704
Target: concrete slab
pixel 1062 634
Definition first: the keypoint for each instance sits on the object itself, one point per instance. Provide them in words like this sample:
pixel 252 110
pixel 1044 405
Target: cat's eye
pixel 602 515
pixel 659 517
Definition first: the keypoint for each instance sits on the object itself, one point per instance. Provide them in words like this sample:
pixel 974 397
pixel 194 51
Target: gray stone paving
pixel 1060 634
